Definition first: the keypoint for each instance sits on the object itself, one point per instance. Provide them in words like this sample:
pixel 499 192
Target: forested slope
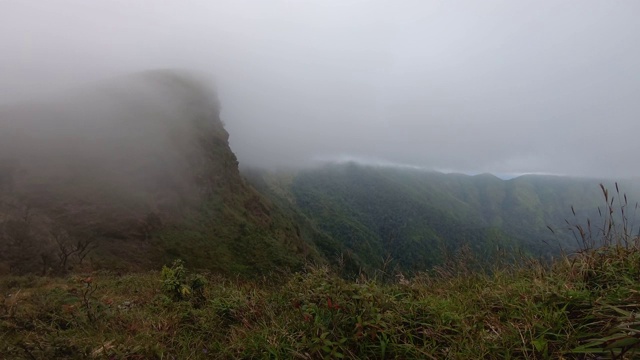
pixel 418 218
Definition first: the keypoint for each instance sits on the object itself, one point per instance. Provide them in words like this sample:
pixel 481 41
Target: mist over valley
pixel 319 179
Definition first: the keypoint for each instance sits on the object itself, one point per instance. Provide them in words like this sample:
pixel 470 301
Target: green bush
pixel 180 285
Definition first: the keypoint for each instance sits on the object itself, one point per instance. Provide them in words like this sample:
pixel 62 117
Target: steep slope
pixel 138 169
pixel 417 217
pixel 375 215
pixel 385 214
pixel 276 187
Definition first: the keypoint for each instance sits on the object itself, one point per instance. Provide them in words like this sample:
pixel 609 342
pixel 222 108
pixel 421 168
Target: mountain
pixel 418 219
pixel 134 172
pixel 129 174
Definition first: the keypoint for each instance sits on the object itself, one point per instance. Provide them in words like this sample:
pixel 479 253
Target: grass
pixel 583 306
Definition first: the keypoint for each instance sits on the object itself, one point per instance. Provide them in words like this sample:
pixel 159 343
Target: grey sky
pixel 497 86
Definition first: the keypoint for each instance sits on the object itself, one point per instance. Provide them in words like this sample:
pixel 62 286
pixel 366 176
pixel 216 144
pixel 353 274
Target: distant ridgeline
pixel 135 172
pixel 414 219
pixel 129 175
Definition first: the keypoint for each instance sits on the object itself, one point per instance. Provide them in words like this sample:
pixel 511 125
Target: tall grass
pixel 616 226
pixel 582 306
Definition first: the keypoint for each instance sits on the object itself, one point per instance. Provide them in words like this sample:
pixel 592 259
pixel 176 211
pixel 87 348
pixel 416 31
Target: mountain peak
pixel 140 167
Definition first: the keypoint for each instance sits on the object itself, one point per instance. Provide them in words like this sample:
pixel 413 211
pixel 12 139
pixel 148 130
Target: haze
pixel 135 140
pixel 506 87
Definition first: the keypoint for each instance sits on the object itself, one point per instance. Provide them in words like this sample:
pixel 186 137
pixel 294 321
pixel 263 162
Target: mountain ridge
pixel 136 172
pixel 139 168
pixel 418 217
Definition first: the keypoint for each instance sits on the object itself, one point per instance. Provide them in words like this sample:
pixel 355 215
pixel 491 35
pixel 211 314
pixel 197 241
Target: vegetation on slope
pixel 417 217
pixel 581 307
pixel 191 203
pixel 129 175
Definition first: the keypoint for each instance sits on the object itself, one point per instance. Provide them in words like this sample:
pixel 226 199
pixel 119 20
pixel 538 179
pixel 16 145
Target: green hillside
pixel 580 307
pixel 99 189
pixel 130 174
pixel 417 218
pixel 137 171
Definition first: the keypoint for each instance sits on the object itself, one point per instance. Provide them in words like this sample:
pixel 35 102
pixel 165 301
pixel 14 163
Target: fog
pixel 507 87
pixel 137 138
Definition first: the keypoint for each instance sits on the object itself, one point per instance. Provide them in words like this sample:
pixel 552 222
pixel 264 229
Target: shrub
pixel 180 285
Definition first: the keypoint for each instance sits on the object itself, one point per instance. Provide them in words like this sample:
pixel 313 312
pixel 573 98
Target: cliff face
pixel 130 174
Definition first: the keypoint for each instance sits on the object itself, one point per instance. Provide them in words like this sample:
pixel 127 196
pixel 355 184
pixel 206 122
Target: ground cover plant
pixel 580 306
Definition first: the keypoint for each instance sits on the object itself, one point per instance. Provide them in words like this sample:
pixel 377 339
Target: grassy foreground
pixel 580 307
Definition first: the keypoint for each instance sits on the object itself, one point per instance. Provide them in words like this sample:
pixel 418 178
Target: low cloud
pixel 491 86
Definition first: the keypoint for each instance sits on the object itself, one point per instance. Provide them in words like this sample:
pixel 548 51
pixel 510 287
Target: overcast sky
pixel 470 86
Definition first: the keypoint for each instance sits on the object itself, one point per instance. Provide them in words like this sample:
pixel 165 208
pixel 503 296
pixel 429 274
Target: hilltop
pixel 129 174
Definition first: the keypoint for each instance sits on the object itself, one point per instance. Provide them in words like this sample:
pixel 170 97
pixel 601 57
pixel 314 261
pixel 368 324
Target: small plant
pixel 88 299
pixel 180 285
